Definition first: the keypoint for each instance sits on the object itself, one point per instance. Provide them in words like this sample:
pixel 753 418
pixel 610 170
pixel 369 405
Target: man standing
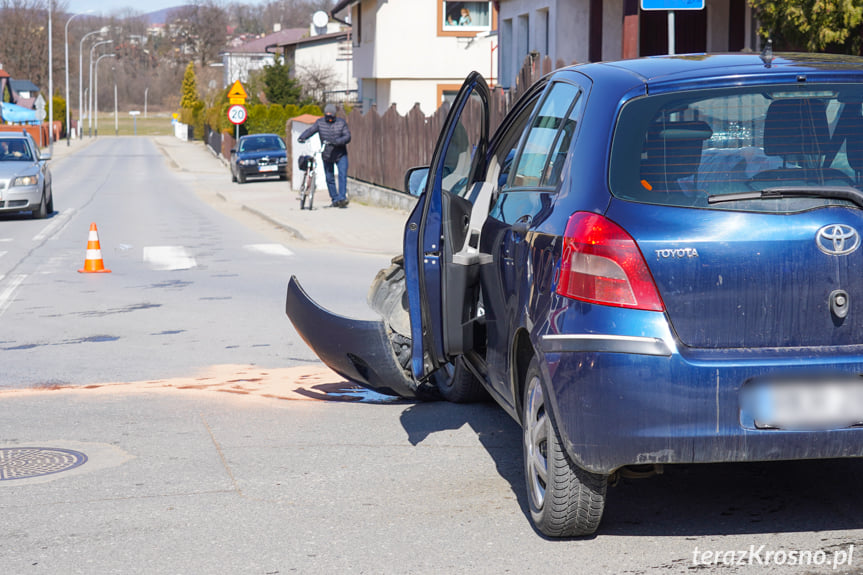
pixel 335 135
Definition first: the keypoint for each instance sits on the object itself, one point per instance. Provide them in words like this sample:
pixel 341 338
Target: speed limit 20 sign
pixel 237 114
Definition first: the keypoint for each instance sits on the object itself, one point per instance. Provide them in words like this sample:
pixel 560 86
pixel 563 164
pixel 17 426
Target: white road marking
pixel 270 249
pixel 6 294
pixel 57 223
pixel 167 258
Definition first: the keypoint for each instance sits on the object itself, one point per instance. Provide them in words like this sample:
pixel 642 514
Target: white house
pixel 254 55
pixel 322 61
pixel 593 30
pixel 418 51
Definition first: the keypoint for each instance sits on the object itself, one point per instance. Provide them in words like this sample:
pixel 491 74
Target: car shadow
pixel 685 500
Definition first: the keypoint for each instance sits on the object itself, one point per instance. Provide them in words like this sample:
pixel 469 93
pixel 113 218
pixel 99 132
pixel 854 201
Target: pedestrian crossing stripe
pixel 270 249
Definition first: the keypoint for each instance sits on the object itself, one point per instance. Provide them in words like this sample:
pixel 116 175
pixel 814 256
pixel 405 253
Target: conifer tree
pixel 189 97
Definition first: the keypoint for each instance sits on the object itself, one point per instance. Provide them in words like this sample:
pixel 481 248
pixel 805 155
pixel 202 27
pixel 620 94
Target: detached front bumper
pixel 359 350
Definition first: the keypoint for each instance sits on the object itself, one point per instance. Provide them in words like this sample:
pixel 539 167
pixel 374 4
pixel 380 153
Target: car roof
pixel 684 69
pixel 14 135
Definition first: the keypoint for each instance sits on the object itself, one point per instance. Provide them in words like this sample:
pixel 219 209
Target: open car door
pixel 440 272
pixel 440 244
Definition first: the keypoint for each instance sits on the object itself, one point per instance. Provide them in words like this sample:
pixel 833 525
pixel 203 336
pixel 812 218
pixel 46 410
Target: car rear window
pixel 685 147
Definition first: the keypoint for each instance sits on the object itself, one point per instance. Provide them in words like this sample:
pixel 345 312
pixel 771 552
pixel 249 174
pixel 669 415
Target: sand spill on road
pixel 303 383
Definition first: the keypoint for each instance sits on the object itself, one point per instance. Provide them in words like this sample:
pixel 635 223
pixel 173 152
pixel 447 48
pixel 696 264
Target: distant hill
pixel 161 16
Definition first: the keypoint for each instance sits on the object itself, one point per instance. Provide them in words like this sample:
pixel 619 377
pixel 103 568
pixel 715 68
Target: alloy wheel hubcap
pixel 536 432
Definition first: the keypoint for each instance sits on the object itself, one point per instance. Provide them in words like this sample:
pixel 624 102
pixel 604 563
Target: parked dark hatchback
pixel 651 262
pixel 259 155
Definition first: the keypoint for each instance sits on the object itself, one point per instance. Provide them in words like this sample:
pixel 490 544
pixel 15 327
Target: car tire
pixel 50 207
pixel 457 384
pixel 42 211
pixel 233 176
pixel 564 500
pixel 241 178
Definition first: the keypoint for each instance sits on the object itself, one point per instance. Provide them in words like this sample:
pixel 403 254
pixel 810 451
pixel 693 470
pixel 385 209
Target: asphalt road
pixel 267 465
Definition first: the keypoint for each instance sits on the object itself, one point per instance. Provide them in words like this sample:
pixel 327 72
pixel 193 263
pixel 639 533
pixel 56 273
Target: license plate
pixel 806 405
pixel 268 168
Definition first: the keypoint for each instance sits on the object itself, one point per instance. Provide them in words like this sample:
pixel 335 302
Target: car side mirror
pixel 233 150
pixel 415 180
pixel 44 156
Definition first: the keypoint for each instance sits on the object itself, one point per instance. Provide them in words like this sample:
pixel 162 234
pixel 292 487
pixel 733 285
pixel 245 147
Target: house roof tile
pixel 259 45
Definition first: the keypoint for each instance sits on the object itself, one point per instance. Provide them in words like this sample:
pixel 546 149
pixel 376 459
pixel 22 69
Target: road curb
pixel 281 225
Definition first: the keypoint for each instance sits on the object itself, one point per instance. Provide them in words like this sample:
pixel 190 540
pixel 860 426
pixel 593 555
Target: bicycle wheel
pixel 311 188
pixel 304 190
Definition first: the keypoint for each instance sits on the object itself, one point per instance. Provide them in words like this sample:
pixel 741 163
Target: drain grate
pixel 24 462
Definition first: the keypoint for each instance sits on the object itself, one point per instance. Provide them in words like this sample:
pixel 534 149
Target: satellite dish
pixel 320 19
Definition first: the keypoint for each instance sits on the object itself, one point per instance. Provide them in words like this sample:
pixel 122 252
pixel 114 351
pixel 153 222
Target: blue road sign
pixel 672 4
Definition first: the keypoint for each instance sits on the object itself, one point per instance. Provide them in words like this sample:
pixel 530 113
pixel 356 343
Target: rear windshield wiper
pixel 834 192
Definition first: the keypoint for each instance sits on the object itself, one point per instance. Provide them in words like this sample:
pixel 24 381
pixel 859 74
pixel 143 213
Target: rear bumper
pixel 621 400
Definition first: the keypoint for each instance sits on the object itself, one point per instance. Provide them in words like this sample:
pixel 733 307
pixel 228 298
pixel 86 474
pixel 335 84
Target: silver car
pixel 25 181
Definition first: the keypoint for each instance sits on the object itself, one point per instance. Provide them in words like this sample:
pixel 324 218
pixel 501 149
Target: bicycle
pixel 309 165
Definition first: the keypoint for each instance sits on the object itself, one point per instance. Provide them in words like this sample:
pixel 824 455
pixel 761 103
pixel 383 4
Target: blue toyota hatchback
pixel 650 262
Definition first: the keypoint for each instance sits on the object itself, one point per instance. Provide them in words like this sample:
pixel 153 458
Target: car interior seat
pixel 796 130
pixel 673 153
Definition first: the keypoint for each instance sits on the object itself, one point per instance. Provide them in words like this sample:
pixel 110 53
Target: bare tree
pixel 24 29
pixel 316 79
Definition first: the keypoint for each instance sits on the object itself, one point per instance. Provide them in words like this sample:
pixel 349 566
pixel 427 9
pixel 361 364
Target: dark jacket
pixel 336 134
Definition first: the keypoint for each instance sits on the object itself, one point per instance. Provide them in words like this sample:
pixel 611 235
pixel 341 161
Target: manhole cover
pixel 23 462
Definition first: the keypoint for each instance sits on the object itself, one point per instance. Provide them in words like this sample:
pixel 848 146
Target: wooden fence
pixel 383 147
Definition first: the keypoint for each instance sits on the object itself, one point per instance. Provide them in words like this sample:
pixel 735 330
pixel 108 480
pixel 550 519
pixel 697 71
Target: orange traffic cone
pixel 93 263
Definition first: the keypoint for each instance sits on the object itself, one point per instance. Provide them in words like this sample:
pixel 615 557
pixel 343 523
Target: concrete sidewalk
pixel 365 226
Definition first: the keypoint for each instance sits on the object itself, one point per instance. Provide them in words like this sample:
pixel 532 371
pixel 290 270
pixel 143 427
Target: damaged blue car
pixel 650 262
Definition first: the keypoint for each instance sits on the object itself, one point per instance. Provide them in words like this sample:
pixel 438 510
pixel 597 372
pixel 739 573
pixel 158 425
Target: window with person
pixel 466 16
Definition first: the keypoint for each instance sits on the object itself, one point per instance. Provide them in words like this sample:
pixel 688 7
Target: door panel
pixel 436 231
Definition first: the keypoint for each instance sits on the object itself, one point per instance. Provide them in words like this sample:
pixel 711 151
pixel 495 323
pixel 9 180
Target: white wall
pixel 310 147
pixel 324 55
pixel 400 49
pixel 237 65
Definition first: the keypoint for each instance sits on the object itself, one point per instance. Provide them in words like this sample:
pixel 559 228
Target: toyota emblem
pixel 837 239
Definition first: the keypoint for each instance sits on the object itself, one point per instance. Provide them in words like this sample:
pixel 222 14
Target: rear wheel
pixel 565 500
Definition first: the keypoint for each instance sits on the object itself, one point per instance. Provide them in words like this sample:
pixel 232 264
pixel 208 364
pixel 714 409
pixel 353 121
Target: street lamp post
pixel 90 105
pixel 68 113
pixel 96 89
pixel 102 31
pixel 50 77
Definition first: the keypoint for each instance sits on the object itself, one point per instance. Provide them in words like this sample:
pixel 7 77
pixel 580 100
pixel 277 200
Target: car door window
pixel 459 155
pixel 503 155
pixel 544 150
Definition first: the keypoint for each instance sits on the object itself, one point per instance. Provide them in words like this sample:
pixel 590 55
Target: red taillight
pixel 602 264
